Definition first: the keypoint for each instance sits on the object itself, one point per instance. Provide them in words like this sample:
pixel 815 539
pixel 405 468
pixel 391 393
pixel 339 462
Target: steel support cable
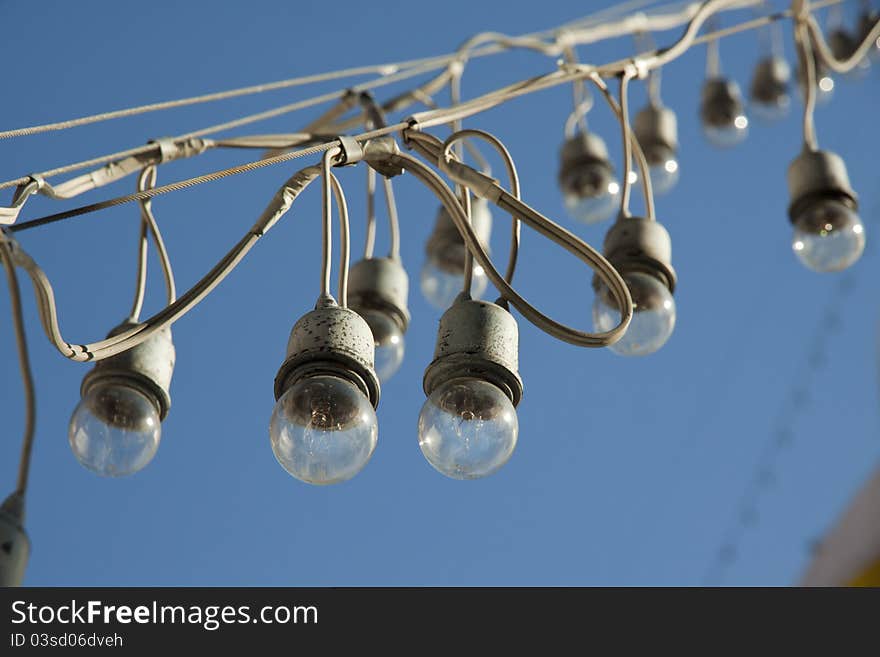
pixel 382 69
pixel 435 117
pixel 198 180
pixel 570 242
pixel 645 23
pixel 30 414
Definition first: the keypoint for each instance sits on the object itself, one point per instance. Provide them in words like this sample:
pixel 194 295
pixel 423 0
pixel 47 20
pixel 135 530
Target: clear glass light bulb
pixel 664 174
pixel 772 110
pixel 468 428
pixel 828 236
pixel 441 283
pixel 592 193
pixel 729 134
pixel 323 430
pixel 653 315
pixel 114 430
pixel 389 343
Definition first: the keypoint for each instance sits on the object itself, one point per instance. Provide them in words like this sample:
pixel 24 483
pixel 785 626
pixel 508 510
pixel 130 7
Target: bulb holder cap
pixel 656 129
pixel 584 149
pixel 636 244
pixel 147 367
pixel 14 544
pixel 446 246
pixel 477 339
pixel 815 176
pixel 721 102
pixel 380 284
pixel 330 340
pixel 770 80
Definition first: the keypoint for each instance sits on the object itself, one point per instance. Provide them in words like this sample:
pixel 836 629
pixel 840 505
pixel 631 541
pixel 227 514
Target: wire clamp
pixel 351 151
pixel 168 149
pixel 379 152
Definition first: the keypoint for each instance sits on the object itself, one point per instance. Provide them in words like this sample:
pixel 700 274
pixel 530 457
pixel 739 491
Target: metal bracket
pixel 378 153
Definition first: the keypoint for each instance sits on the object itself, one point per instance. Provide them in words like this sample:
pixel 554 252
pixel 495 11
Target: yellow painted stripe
pixel 870 576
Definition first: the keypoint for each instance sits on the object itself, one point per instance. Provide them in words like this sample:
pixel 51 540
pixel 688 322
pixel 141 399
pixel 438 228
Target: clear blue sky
pixel 628 471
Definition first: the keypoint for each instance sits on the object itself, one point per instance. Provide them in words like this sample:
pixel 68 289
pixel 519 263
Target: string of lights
pixel 323 428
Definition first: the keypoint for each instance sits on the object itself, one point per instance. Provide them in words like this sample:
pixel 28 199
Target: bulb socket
pixel 14 544
pixel 583 150
pixel 721 102
pixel 330 340
pixel 815 176
pixel 477 339
pixel 147 368
pixel 635 244
pixel 770 80
pixel 656 129
pixel 380 284
pixel 445 245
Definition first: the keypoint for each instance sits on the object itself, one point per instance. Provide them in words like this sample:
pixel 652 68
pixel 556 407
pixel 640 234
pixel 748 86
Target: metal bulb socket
pixel 147 368
pixel 721 103
pixel 14 544
pixel 815 176
pixel 334 341
pixel 480 340
pixel 585 168
pixel 445 246
pixel 656 130
pixel 381 285
pixel 638 245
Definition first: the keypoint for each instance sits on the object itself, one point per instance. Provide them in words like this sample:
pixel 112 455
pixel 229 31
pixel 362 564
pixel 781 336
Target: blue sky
pixel 627 471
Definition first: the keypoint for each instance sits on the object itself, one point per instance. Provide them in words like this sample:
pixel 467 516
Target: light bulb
pixel 653 314
pixel 115 430
pixel 664 175
pixel 828 236
pixel 323 430
pixel 467 428
pixel 656 129
pixel 769 88
pixel 723 114
pixel 442 282
pixel 389 343
pixel 592 194
pixel 590 190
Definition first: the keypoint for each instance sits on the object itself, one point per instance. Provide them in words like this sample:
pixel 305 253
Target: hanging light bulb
pixel 769 88
pixel 824 81
pixel 324 428
pixel 828 234
pixel 442 276
pixel 722 112
pixel 14 545
pixel 115 429
pixel 377 290
pixel 586 177
pixel 468 426
pixel 641 251
pixel 656 130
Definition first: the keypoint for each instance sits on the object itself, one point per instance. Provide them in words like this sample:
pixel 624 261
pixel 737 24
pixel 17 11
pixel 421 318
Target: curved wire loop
pixel 446 152
pixel 487 188
pixel 277 208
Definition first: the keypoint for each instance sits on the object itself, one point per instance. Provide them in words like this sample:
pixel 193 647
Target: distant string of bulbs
pixel 323 428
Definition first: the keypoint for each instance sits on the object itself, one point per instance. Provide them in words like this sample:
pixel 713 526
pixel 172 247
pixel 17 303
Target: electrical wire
pixel 30 405
pixel 627 142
